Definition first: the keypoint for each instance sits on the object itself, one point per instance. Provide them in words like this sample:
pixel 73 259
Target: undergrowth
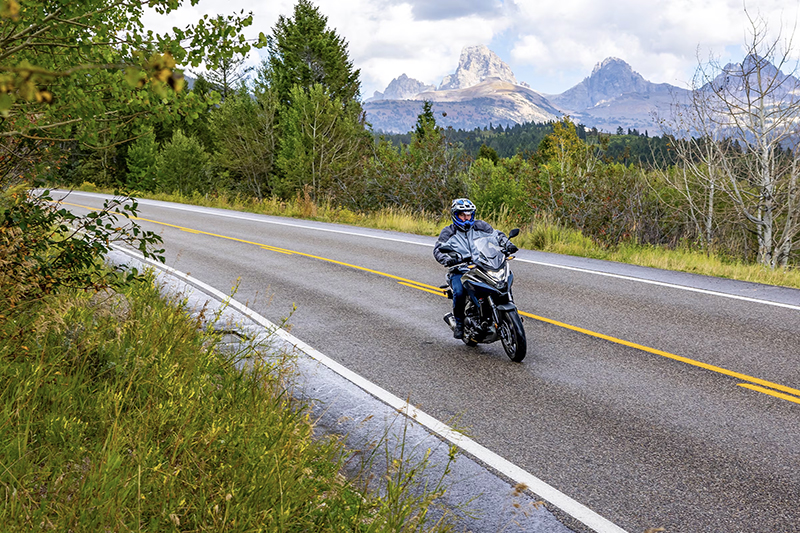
pixel 119 414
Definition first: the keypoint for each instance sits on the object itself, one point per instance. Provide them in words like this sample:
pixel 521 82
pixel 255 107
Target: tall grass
pixel 542 233
pixel 118 414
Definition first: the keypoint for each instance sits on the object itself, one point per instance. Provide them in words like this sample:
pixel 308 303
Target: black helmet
pixel 462 205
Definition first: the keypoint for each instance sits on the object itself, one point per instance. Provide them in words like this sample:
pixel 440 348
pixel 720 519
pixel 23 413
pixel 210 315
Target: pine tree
pixel 322 139
pixel 141 162
pixel 304 52
pixel 425 120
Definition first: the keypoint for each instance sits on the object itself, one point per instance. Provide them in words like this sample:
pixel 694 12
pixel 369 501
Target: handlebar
pixel 470 264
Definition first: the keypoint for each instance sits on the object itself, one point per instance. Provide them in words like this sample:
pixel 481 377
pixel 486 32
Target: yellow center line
pixel 720 370
pixel 436 290
pixel 786 397
pixel 279 250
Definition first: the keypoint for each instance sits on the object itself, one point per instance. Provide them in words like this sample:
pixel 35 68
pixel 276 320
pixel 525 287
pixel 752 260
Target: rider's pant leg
pixel 459 296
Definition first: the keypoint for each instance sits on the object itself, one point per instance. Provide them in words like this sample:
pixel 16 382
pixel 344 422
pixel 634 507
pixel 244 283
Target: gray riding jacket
pixel 462 241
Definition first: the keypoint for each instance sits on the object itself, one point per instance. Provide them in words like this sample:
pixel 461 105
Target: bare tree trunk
pixel 747 113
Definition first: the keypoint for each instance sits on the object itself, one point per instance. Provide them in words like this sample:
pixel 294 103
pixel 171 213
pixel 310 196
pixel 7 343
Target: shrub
pixel 183 165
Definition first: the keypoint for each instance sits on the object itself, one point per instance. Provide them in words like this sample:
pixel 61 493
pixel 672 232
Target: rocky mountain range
pixel 614 95
pixel 484 90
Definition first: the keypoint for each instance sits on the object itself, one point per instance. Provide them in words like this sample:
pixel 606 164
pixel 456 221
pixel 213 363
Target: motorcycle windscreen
pixel 488 253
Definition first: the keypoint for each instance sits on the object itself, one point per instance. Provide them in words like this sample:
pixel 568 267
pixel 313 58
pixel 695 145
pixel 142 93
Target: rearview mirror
pixel 513 233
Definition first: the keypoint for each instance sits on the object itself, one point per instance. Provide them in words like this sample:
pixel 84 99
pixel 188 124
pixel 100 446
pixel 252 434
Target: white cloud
pixel 661 41
pixel 551 45
pixel 386 40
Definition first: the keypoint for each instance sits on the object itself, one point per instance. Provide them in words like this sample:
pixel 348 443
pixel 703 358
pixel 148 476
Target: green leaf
pixel 6 101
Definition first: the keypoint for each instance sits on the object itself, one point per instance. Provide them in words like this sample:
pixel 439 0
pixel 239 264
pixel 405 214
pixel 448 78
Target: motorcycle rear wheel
pixel 512 335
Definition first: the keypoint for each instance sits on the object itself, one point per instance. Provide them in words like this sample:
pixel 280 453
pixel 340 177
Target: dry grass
pixel 543 233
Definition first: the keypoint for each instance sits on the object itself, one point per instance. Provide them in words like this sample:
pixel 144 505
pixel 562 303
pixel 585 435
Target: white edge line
pixel 664 284
pixel 255 218
pixel 549 493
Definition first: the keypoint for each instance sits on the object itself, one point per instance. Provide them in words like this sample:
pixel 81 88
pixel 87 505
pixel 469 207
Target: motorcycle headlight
pixel 498 276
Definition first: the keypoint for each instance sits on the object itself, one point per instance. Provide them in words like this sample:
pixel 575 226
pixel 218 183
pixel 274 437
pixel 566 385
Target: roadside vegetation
pixel 541 233
pixel 121 412
pixel 120 415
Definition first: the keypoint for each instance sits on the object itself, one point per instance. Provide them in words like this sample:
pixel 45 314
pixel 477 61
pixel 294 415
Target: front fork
pixel 502 308
pixel 494 326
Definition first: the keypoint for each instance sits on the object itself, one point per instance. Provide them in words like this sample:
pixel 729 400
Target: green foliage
pixel 486 152
pixel 563 150
pixel 77 70
pixel 226 72
pixel 423 176
pixel 303 52
pixel 182 165
pixel 46 249
pixel 517 139
pixel 244 129
pixel 636 149
pixel 425 121
pixel 141 161
pixel 501 189
pixel 323 143
pixel 631 148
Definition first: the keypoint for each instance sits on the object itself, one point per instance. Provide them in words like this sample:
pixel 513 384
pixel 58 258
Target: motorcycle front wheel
pixel 512 335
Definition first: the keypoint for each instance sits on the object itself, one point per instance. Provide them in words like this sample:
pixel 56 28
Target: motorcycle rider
pixel 460 237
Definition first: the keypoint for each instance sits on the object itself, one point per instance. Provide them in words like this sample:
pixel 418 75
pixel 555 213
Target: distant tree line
pixel 625 147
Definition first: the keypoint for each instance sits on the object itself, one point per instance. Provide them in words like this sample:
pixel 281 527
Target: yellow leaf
pixel 9 9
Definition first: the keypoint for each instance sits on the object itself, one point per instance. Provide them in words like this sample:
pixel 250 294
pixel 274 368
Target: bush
pixel 141 160
pixel 499 190
pixel 183 165
pixel 44 249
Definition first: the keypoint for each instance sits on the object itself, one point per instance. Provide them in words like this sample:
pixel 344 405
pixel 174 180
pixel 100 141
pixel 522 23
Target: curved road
pixel 657 399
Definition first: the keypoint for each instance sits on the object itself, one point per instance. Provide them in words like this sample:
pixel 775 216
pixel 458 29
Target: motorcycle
pixel 490 313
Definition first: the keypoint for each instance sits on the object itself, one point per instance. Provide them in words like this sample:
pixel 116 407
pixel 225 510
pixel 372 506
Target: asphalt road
pixel 655 398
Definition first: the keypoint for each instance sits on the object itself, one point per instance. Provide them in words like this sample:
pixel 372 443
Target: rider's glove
pixel 511 248
pixel 451 261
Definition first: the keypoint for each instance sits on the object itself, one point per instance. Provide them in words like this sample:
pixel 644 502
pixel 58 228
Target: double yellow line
pixel 756 384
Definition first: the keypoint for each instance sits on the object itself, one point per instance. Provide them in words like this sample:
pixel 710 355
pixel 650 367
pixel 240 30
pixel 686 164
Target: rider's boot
pixel 458 330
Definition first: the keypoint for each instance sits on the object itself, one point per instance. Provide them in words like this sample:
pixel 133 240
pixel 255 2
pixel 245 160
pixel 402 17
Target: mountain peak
pixel 609 79
pixel 611 63
pixel 753 75
pixel 477 63
pixel 402 88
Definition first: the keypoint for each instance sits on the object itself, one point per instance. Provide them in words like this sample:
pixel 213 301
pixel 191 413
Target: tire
pixel 512 335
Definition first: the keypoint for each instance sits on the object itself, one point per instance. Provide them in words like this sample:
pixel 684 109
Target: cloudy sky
pixel 550 44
